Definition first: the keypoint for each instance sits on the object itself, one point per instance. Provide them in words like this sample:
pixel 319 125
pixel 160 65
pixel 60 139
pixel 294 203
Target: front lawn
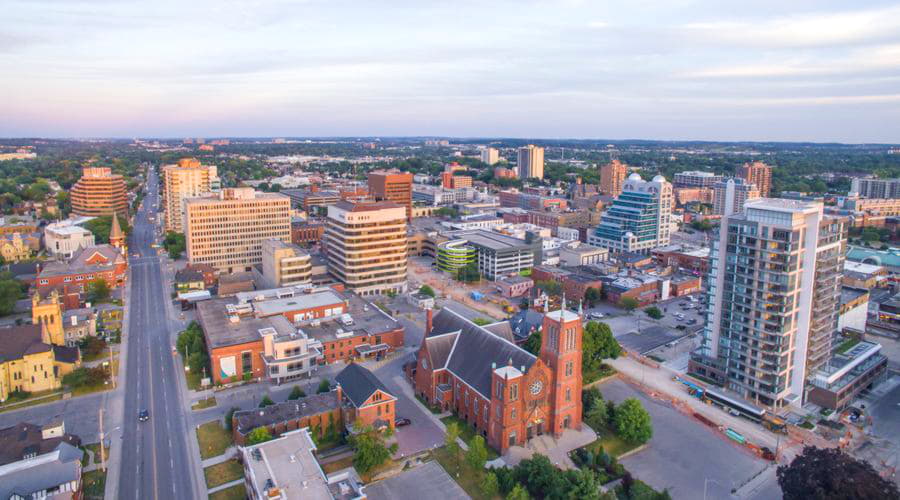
pixel 467 432
pixel 213 439
pixel 613 445
pixel 590 376
pixel 236 492
pixel 461 472
pixel 338 465
pixel 93 484
pixel 222 473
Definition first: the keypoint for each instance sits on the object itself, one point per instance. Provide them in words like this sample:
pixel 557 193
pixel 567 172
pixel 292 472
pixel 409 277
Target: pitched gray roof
pixel 359 384
pixel 439 348
pixel 525 322
pixel 476 349
pixel 501 329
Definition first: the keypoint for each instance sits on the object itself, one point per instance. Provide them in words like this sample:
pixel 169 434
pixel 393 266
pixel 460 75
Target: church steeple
pixel 116 235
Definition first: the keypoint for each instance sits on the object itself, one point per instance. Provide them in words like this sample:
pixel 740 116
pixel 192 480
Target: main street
pixel 155 463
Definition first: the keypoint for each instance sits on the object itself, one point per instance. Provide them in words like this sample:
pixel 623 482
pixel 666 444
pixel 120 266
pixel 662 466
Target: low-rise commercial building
pixel 864 276
pixel 854 309
pixel 514 286
pixel 62 239
pixel 286 468
pixel 839 382
pixel 581 254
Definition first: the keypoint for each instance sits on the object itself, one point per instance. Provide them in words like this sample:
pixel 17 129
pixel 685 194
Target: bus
pixel 730 404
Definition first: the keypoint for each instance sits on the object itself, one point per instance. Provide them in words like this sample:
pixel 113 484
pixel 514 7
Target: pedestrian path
pixel 224 486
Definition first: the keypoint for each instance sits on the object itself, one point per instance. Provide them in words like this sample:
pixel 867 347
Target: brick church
pixel 505 392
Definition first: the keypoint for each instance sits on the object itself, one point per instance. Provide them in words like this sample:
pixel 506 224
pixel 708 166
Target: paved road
pixel 155 462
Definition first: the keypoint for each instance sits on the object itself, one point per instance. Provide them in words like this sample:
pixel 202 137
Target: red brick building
pixel 87 264
pixel 369 403
pixel 307 232
pixel 507 394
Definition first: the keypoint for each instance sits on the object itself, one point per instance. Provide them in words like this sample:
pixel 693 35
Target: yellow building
pixel 48 313
pixel 13 248
pixel 28 364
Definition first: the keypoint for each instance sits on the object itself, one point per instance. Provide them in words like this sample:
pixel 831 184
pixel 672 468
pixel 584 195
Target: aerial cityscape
pixel 550 250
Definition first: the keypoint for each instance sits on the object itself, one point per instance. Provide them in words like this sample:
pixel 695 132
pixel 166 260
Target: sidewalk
pixel 114 401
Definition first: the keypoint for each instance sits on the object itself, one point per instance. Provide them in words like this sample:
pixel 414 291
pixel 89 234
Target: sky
pixel 786 70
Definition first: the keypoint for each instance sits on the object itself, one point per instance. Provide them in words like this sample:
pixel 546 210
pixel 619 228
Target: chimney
pixel 428 316
pixel 340 393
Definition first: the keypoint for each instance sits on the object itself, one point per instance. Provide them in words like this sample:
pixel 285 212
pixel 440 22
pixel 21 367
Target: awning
pixel 364 349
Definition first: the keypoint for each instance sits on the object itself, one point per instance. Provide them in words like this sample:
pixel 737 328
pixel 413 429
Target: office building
pixel 757 173
pixel 186 179
pixel 392 185
pixel 639 219
pixel 774 290
pixel 696 178
pixel 99 192
pixel 875 188
pixel 226 229
pixel 733 193
pixel 612 177
pixel 497 255
pixel 366 246
pixel 531 162
pixel 490 155
pixel 284 264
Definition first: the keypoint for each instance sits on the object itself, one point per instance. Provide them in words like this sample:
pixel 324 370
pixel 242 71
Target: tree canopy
pixel 598 344
pixel 369 450
pixel 259 435
pixel 632 421
pixel 831 474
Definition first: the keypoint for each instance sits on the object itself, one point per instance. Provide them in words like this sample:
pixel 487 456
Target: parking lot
pixel 680 454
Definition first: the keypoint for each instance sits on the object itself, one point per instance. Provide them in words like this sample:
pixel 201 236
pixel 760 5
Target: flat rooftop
pixel 859 267
pixel 850 294
pixel 491 240
pixel 368 319
pixel 221 331
pixel 296 303
pixel 288 464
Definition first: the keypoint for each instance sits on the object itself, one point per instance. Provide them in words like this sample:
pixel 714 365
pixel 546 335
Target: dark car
pixel 143 416
pixel 400 422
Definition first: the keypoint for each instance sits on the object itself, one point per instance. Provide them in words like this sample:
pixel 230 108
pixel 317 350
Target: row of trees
pixel 629 420
pixel 192 347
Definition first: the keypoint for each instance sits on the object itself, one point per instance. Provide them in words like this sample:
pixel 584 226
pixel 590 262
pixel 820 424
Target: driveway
pixel 426 482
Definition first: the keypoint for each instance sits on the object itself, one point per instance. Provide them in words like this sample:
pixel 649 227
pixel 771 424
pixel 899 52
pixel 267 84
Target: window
pixel 246 362
pixel 568 394
pixel 569 368
pixel 512 414
pixel 500 392
pixel 512 438
pixel 514 392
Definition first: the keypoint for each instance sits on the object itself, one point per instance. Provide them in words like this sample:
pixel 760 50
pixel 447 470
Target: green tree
pixel 10 292
pixel 324 386
pixel 481 321
pixel 101 226
pixel 174 243
pixel 582 484
pixel 98 290
pixel 427 290
pixel 296 393
pixel 598 344
pixel 477 454
pixel 632 422
pixel 628 303
pixel 550 287
pixel 450 439
pixel 597 417
pixel 591 296
pixel 489 485
pixel 259 435
pixel 518 493
pixel 653 312
pixel 533 343
pixel 369 450
pixel 266 401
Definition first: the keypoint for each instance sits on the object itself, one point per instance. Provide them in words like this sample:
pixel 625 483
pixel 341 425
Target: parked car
pixel 400 422
pixel 143 415
pixel 596 315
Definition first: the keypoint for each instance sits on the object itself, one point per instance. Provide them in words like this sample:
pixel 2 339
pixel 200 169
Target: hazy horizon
pixel 689 70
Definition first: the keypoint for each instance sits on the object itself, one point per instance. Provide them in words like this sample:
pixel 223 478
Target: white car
pixel 596 315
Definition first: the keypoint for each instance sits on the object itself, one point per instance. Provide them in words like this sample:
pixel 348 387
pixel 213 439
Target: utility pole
pixel 112 371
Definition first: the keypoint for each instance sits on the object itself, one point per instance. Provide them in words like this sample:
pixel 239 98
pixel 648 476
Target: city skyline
pixel 808 71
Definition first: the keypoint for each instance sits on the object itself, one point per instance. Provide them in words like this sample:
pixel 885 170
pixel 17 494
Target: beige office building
pixel 186 179
pixel 367 246
pixel 531 162
pixel 226 230
pixel 284 264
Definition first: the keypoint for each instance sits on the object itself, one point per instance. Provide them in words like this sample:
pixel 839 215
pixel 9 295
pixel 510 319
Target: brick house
pixel 507 394
pixel 367 400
